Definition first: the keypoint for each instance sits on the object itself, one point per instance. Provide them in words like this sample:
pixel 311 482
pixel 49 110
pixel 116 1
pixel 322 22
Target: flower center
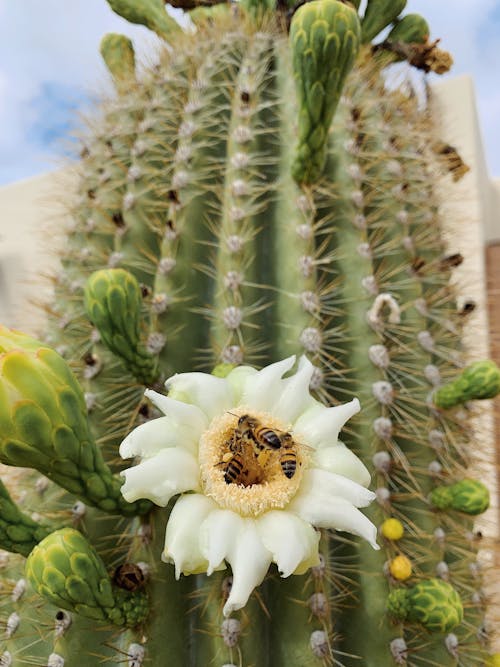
pixel 250 463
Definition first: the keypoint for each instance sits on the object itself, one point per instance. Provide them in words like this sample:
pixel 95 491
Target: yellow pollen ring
pixel 274 491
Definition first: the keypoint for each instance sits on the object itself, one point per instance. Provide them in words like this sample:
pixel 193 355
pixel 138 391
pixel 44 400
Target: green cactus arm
pixel 469 496
pixel 480 380
pixel 66 570
pixel 118 53
pixel 378 15
pixel 113 303
pixel 324 40
pixel 18 532
pixel 43 424
pixel 150 13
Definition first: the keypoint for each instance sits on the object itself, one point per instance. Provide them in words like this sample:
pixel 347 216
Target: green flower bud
pixel 18 532
pixel 411 29
pixel 468 496
pixel 223 370
pixel 118 53
pixel 113 303
pixel 150 13
pixel 43 424
pixel 478 381
pixel 67 571
pixel 324 38
pixel 378 15
pixel 434 604
pixel 200 15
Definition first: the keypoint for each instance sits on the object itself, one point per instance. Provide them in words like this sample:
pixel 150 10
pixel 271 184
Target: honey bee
pixel 261 437
pixel 235 469
pixel 288 455
pixel 251 446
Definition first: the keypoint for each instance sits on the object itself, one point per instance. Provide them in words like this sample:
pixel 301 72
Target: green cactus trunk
pixel 209 252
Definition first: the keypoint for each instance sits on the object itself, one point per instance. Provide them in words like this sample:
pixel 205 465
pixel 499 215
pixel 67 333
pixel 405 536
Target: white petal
pixel 217 533
pixel 320 426
pixel 262 389
pixel 149 438
pixel 292 542
pixel 162 476
pixel 249 561
pixel 341 460
pixel 181 413
pixel 327 485
pixel 237 378
pixel 211 394
pixel 182 537
pixel 294 397
pixel 227 535
pixel 337 513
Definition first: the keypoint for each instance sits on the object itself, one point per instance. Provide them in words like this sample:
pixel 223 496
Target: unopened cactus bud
pixel 113 303
pixel 478 381
pixel 324 38
pixel 468 496
pixel 18 532
pixel 118 53
pixel 43 424
pixel 150 13
pixel 66 570
pixel 433 603
pixel 411 29
pixel 378 14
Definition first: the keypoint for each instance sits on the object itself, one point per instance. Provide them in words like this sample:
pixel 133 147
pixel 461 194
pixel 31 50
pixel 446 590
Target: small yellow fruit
pixel 392 529
pixel 494 660
pixel 400 568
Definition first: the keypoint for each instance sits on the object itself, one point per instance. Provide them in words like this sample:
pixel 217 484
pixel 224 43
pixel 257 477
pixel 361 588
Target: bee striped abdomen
pixel 235 470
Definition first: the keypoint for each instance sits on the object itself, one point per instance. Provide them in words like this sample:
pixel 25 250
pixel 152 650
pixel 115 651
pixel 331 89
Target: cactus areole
pixel 254 252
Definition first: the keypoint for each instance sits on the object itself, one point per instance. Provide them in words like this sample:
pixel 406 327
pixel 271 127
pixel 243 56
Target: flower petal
pixel 249 561
pixel 167 473
pixel 181 413
pixel 213 395
pixel 341 460
pixel 152 436
pixel 321 426
pixel 292 542
pixel 325 510
pixel 182 537
pixel 237 378
pixel 294 397
pixel 227 535
pixel 328 484
pixel 262 389
pixel 216 535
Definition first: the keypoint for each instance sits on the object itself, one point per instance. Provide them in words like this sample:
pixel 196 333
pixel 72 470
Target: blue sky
pixel 50 68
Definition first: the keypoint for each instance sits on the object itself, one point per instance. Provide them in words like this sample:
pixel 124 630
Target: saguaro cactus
pixel 252 200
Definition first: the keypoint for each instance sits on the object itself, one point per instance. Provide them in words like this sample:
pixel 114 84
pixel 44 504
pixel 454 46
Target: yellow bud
pixel 400 568
pixel 392 529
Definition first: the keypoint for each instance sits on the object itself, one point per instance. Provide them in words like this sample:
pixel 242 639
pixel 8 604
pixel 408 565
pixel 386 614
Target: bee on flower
pixel 258 467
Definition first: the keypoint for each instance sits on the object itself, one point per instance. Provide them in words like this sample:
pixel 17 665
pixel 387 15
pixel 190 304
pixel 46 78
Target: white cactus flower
pixel 248 506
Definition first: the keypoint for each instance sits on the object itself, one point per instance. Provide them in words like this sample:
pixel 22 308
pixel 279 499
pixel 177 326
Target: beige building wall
pixel 29 214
